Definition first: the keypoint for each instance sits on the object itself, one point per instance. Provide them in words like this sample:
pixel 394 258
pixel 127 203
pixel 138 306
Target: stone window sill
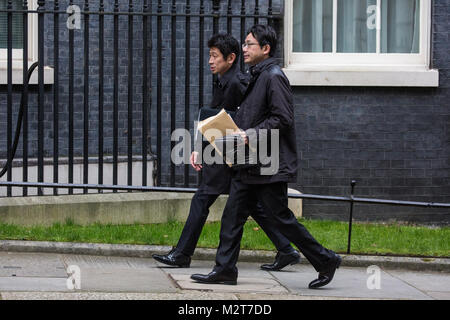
pixel 359 76
pixel 17 76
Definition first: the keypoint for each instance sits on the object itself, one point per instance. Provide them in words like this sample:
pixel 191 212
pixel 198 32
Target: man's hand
pixel 242 134
pixel 193 159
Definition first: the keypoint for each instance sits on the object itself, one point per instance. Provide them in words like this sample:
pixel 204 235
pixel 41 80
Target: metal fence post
pixel 9 46
pixel 351 217
pixel 41 100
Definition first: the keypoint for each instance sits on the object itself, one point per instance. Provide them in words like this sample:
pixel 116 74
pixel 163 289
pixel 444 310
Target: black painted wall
pixel 394 141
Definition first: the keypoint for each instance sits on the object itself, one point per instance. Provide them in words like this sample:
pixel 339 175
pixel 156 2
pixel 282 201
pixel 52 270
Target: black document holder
pixel 230 146
pixel 230 155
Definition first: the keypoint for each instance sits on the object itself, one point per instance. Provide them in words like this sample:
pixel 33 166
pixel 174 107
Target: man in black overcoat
pixel 228 92
pixel 267 108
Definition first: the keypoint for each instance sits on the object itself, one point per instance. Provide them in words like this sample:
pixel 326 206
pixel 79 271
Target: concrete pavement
pixel 28 275
pixel 146 251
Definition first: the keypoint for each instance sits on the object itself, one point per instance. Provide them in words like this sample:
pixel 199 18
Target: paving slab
pixel 39 284
pixel 101 262
pixel 125 280
pixel 116 296
pixel 119 274
pixel 255 285
pixel 439 295
pixel 350 283
pixel 186 295
pixel 31 265
pixel 268 297
pixel 424 281
pixel 246 269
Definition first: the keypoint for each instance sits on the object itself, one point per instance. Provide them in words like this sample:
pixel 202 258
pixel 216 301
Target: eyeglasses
pixel 246 45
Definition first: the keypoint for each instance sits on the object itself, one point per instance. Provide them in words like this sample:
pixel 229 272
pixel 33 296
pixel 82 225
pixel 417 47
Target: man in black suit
pixel 228 93
pixel 267 108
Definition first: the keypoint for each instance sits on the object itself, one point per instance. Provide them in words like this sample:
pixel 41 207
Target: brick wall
pixel 393 141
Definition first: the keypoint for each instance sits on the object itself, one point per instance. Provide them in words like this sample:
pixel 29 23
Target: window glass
pixel 356 26
pixel 355 32
pixel 313 26
pixel 17 25
pixel 400 25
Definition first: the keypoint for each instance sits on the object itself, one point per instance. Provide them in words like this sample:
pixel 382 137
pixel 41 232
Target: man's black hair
pixel 265 35
pixel 226 44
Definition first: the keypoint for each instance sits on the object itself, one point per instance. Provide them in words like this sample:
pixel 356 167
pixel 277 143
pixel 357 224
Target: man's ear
pixel 231 57
pixel 266 49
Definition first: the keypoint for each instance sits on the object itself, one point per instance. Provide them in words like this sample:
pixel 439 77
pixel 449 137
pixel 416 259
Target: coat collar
pixel 223 80
pixel 260 67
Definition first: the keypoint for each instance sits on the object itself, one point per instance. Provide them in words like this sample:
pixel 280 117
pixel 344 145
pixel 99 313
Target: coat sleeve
pixel 234 94
pixel 280 105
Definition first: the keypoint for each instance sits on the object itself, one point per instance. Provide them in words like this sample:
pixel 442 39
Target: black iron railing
pixel 145 53
pixel 351 199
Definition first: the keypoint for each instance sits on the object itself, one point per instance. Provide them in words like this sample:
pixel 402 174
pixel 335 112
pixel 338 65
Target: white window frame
pixel 360 69
pixel 17 54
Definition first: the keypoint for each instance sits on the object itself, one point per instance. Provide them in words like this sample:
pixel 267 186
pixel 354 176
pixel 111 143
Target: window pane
pixel 313 26
pixel 17 26
pixel 355 30
pixel 400 26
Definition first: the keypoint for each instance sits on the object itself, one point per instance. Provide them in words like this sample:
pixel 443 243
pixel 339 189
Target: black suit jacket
pixel 228 93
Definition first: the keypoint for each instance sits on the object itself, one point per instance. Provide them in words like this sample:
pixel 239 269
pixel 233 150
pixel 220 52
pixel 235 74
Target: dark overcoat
pixel 228 93
pixel 268 104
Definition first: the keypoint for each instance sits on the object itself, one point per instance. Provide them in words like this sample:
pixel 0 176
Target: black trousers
pixel 274 199
pixel 199 211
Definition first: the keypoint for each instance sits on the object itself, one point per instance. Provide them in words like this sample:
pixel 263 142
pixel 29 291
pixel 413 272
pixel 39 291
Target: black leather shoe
pixel 282 260
pixel 174 258
pixel 216 278
pixel 326 276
